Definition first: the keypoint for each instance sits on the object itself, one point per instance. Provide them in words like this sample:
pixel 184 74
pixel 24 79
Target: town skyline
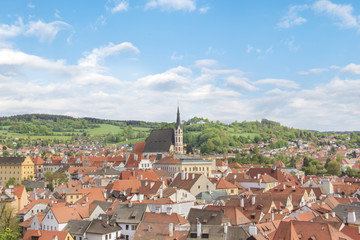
pixel 296 64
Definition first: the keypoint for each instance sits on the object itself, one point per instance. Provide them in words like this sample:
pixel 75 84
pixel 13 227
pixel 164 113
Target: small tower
pixel 178 133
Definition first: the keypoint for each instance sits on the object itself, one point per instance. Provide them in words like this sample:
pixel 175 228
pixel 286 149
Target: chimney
pixel 326 215
pixel 242 202
pixel 87 199
pixel 171 229
pixel 169 211
pixel 187 176
pixel 225 229
pixel 253 198
pixel 149 228
pixel 253 229
pixel 141 197
pixel 351 216
pixel 235 176
pixel 333 214
pixel 272 215
pixel 130 204
pixel 152 184
pixel 193 176
pixel 161 193
pixel 104 192
pixel 284 186
pixel 198 228
pixel 183 175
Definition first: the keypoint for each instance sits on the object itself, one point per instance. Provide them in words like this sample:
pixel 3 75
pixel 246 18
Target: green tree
pixel 11 181
pixel 5 153
pixel 9 223
pixel 9 234
pixel 333 168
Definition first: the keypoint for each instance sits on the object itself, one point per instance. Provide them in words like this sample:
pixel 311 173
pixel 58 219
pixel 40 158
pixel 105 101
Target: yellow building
pixel 187 164
pixel 19 168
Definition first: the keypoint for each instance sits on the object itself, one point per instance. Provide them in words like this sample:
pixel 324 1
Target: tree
pixel 11 181
pixel 5 153
pixel 9 224
pixel 333 168
pixel 9 234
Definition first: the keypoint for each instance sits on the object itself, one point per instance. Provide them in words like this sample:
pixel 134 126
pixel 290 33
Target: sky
pixel 295 62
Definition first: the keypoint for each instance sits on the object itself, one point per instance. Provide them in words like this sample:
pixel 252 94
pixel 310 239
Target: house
pixel 162 226
pixel 57 218
pixel 47 235
pixel 222 184
pixel 194 183
pixel 128 217
pixel 96 229
pixel 307 230
pixel 349 213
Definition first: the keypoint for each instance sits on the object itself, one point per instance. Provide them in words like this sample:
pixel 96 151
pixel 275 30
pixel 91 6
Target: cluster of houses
pixel 156 191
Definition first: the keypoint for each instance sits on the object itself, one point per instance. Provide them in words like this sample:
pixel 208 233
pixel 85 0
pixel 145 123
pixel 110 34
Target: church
pixel 168 147
pixel 165 142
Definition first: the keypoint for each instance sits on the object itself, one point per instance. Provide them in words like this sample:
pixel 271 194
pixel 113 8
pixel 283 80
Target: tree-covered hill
pixel 200 133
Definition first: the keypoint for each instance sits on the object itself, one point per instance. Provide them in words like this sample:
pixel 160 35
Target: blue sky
pixel 296 62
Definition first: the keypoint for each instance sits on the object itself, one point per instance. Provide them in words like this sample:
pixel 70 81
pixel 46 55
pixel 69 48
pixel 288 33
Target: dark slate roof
pixel 125 214
pixel 105 171
pixel 341 211
pixel 159 140
pixel 33 184
pixel 216 232
pixel 11 160
pixel 186 183
pixel 77 227
pixel 207 217
pixel 103 205
pixel 102 226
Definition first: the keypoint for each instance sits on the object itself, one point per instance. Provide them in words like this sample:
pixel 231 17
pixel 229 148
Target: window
pixel 127 227
pixel 133 227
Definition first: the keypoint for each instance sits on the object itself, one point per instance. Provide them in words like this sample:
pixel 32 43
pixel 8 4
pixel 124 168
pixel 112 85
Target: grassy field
pixel 104 129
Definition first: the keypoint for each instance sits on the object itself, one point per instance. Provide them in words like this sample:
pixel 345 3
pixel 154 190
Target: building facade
pixel 18 168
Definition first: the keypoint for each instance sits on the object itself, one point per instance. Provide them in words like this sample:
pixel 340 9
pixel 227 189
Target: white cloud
pixel 30 5
pixel 351 68
pixel 172 5
pixel 118 6
pixel 205 63
pixel 99 54
pixel 30 83
pixel 46 32
pixel 290 43
pixel 314 71
pixel 204 9
pixel 8 31
pixel 176 57
pixel 292 18
pixel 341 12
pixel 284 83
pixel 253 49
pixel 57 14
pixel 240 83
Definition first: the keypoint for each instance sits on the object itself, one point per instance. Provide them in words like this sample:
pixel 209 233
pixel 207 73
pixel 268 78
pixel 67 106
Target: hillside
pixel 208 136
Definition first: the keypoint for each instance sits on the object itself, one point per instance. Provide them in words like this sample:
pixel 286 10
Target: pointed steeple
pixel 178 119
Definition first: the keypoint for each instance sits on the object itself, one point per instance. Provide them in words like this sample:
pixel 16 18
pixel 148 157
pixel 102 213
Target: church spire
pixel 178 135
pixel 178 119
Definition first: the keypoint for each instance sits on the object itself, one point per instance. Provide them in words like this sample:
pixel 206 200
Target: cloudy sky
pixel 296 62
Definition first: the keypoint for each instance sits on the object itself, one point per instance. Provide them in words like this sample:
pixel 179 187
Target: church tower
pixel 178 133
